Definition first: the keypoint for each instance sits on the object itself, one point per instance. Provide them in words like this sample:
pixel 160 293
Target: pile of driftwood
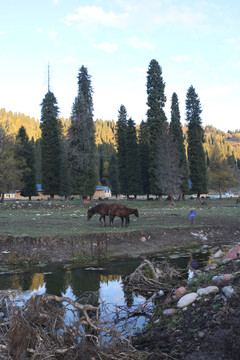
pixel 150 277
pixel 39 330
pixel 53 327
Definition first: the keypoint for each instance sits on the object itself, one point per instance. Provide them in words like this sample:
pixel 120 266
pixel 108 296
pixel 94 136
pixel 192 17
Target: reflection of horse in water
pixel 111 210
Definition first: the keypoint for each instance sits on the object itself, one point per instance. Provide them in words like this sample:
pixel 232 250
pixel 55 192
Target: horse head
pixel 136 212
pixel 89 214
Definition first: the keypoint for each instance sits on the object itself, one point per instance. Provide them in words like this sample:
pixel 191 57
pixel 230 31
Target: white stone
pixel 226 260
pixel 218 254
pixel 207 290
pixel 187 300
pixel 228 291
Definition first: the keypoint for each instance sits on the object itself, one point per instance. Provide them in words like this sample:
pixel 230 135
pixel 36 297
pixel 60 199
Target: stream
pixel 105 282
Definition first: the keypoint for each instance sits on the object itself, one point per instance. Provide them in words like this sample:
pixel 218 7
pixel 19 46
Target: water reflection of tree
pixel 25 281
pixel 128 295
pixel 55 283
pixel 85 281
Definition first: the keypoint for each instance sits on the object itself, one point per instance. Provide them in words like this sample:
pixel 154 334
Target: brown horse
pixel 122 213
pixel 103 209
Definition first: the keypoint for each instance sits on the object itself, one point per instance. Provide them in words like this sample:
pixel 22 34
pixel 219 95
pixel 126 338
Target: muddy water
pixel 105 282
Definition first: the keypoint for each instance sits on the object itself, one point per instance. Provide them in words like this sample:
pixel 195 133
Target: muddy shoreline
pixel 108 247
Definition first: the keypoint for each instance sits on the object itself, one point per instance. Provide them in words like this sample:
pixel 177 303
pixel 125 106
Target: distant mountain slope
pixel 229 142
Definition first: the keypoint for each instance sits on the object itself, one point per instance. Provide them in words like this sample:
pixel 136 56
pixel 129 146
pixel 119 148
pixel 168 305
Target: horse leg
pixel 102 222
pixel 111 220
pixel 122 218
pixel 127 220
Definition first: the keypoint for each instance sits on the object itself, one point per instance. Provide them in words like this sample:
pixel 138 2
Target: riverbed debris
pixel 39 330
pixel 152 277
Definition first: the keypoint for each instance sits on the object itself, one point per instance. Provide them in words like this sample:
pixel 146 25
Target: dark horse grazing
pixel 122 213
pixel 103 209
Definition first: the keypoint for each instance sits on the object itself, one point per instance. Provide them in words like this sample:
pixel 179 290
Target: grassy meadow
pixel 68 218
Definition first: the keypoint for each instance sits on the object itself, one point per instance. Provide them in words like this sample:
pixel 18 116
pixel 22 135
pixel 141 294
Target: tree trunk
pixel 220 193
pixel 2 197
pixel 198 198
pixel 51 197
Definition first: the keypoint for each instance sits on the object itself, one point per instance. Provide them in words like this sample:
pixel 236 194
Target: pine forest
pixel 157 157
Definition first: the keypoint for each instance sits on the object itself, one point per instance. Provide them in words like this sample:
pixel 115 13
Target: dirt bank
pixel 110 246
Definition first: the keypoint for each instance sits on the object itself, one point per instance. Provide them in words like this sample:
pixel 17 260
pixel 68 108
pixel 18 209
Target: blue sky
pixel 195 42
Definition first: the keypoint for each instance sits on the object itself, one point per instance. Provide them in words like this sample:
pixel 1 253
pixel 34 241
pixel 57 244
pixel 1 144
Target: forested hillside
pixel 105 131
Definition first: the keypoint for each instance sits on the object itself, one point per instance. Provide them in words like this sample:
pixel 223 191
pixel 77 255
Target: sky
pixel 196 42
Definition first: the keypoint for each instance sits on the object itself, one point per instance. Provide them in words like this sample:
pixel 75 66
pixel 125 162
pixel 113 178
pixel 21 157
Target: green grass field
pixel 67 218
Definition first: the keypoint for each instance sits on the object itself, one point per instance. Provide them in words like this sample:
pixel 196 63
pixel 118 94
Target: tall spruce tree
pixel 144 156
pixel 113 175
pixel 121 127
pixel 65 187
pixel 177 136
pixel 81 134
pixel 196 154
pixel 25 151
pixel 133 168
pixel 155 118
pixel 51 128
pixel 168 172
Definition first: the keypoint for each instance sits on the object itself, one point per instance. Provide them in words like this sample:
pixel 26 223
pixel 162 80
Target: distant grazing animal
pixel 103 209
pixel 122 213
pixel 238 201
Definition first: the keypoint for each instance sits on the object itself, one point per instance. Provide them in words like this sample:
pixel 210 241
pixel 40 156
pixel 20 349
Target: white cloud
pixel 2 32
pixel 40 30
pixel 93 15
pixel 110 48
pixel 178 15
pixel 52 34
pixel 138 43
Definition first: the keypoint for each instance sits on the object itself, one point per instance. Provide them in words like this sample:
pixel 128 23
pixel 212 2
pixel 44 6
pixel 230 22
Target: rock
pixel 161 293
pixel 207 290
pixel 226 261
pixel 227 276
pixel 143 239
pixel 234 253
pixel 187 300
pixel 218 277
pixel 180 292
pixel 218 254
pixel 169 311
pixel 228 291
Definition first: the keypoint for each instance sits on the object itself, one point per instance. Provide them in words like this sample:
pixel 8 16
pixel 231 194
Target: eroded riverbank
pixel 106 247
